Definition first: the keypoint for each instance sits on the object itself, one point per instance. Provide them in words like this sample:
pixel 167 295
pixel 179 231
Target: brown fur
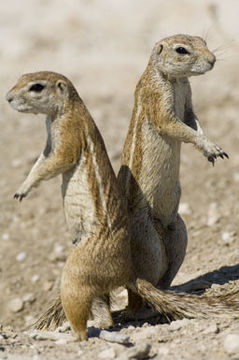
pixel 101 260
pixel 162 118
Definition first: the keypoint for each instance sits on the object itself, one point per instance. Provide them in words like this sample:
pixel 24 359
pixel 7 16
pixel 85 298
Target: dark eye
pixel 182 50
pixel 37 87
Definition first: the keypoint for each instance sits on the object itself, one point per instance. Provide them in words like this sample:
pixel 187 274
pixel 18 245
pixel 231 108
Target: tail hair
pixel 176 306
pixel 52 318
pixel 170 304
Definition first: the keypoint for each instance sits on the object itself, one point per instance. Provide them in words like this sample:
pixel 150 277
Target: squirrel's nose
pixel 9 97
pixel 212 60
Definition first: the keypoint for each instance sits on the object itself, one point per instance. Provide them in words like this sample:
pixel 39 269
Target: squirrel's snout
pixel 212 60
pixel 9 97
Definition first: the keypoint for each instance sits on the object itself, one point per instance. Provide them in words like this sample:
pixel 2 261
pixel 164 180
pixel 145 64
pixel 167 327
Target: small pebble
pixel 113 336
pixel 5 236
pixel 16 163
pixel 140 351
pixel 231 344
pixel 29 319
pixel 35 278
pixel 236 176
pixel 48 285
pixel 212 329
pixel 58 249
pixel 21 256
pixel 177 325
pixel 228 237
pixel 213 214
pixel 16 305
pixel 29 298
pixel 2 182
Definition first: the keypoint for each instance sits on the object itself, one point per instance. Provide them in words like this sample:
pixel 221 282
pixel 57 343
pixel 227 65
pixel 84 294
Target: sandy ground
pixel 103 47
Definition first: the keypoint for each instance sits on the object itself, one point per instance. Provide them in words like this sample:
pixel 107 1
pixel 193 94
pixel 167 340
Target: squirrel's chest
pixel 78 202
pixel 179 99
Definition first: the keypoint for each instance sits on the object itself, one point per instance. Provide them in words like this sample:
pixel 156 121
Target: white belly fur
pixel 161 159
pixel 78 203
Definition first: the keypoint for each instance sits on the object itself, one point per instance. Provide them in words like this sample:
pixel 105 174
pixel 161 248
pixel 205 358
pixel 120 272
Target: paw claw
pixel 211 159
pixel 216 152
pixel 19 196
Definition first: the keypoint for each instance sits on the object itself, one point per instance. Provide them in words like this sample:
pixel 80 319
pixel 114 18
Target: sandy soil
pixel 103 47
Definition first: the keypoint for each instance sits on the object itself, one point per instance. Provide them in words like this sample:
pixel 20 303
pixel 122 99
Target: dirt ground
pixel 103 47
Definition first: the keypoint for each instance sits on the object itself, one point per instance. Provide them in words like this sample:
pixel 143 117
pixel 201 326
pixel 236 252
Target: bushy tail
pixel 168 303
pixel 181 305
pixel 52 318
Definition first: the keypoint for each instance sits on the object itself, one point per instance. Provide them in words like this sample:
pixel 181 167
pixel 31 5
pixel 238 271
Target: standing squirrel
pixel 101 260
pixel 162 119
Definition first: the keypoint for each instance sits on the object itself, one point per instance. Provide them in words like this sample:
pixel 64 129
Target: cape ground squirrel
pixel 162 118
pixel 94 208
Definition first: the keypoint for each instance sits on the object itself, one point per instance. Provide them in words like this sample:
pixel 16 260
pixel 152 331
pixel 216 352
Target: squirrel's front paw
pixel 19 196
pixel 212 152
pixel 22 192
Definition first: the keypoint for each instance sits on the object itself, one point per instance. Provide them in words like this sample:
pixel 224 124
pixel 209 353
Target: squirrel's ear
pixel 61 88
pixel 160 49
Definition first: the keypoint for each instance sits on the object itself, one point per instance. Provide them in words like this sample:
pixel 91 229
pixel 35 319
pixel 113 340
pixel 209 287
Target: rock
pixel 231 343
pixel 5 236
pixel 213 215
pixel 140 351
pixel 16 163
pixel 107 354
pixel 21 256
pixel 16 305
pixel 228 237
pixel 35 278
pixel 58 254
pixel 29 320
pixel 113 336
pixel 58 249
pixel 64 327
pixel 236 176
pixel 178 324
pixel 29 298
pixel 212 329
pixel 48 285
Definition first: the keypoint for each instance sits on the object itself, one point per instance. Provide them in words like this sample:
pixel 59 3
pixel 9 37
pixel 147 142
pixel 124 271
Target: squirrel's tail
pixel 182 305
pixel 52 318
pixel 168 303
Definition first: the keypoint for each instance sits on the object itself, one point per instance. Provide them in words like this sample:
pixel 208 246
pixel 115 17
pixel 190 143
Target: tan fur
pixel 162 118
pixel 92 202
pixel 101 260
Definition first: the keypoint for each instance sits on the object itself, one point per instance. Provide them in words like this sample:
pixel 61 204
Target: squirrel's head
pixel 182 56
pixel 42 92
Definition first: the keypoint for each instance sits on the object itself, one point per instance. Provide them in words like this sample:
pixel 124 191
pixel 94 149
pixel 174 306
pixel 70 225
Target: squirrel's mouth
pixel 21 106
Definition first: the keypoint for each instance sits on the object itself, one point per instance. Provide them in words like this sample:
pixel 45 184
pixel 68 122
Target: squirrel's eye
pixel 37 87
pixel 182 50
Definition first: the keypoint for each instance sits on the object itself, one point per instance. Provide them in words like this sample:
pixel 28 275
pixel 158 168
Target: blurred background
pixel 103 47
